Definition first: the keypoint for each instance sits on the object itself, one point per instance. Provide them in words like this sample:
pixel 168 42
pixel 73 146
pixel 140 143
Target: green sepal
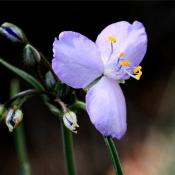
pixel 121 81
pixel 50 81
pixel 31 55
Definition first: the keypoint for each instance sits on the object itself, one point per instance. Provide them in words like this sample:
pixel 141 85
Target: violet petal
pixel 131 40
pixel 106 107
pixel 76 59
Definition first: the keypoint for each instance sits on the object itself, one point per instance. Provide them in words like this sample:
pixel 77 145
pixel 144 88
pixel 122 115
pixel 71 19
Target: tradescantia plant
pixel 79 63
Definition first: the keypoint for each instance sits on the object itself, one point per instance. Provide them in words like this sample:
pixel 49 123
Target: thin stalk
pixel 47 64
pixel 23 96
pixel 67 142
pixel 26 94
pixel 78 105
pixel 68 150
pixel 20 138
pixel 22 151
pixel 114 155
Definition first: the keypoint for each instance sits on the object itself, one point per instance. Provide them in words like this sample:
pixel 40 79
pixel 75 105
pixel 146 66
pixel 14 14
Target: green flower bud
pixel 13 33
pixel 70 121
pixel 13 119
pixel 31 55
pixel 50 81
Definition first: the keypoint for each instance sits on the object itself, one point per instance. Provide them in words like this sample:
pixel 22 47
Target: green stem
pixel 20 138
pixel 47 64
pixel 21 150
pixel 114 155
pixel 68 150
pixel 78 105
pixel 26 94
pixel 23 96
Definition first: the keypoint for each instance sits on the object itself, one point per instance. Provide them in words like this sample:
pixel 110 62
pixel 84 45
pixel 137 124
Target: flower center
pixel 123 65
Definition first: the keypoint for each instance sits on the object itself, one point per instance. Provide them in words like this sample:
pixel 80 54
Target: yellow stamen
pixel 138 75
pixel 138 72
pixel 112 39
pixel 137 69
pixel 125 63
pixel 121 54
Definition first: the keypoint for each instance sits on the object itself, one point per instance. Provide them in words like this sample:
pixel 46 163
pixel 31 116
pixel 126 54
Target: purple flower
pixel 114 57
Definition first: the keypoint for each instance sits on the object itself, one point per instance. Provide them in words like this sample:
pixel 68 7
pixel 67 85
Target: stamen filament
pixel 137 74
pixel 111 51
pixel 133 76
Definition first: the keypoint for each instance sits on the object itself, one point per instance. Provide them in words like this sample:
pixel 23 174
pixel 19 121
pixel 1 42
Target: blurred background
pixel 148 148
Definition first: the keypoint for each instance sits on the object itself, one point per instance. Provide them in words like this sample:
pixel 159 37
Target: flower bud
pixel 13 119
pixel 13 32
pixel 70 121
pixel 50 81
pixel 31 55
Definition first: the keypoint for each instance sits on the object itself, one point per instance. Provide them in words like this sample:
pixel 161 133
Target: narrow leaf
pixel 24 75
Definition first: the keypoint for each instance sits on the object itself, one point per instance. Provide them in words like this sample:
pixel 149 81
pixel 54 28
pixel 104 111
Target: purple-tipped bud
pixel 13 33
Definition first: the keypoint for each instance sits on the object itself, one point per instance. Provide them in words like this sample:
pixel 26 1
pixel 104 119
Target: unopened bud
pixel 70 121
pixel 13 119
pixel 13 32
pixel 31 55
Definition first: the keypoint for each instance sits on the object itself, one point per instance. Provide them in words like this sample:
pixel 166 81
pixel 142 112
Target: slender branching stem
pixel 67 142
pixel 20 138
pixel 26 94
pixel 68 150
pixel 47 64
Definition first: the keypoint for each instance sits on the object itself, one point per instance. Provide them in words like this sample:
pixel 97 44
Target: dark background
pixel 148 146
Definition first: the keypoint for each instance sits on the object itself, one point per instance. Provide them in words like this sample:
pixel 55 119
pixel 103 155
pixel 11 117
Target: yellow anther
pixel 121 54
pixel 137 69
pixel 138 75
pixel 138 72
pixel 112 39
pixel 125 63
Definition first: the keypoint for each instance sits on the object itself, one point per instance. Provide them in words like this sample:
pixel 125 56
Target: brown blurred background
pixel 148 148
